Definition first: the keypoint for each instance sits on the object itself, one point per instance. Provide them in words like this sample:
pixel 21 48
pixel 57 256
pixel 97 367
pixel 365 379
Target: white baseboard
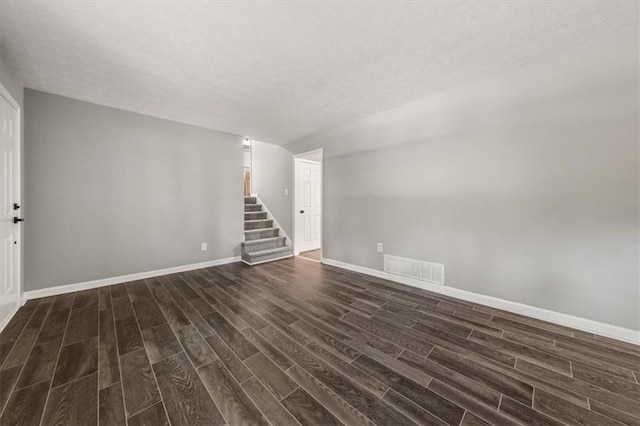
pixel 603 329
pixel 70 288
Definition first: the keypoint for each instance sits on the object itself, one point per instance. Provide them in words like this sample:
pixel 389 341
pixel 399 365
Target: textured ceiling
pixel 278 71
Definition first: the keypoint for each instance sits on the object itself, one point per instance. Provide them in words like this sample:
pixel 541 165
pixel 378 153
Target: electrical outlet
pixel 286 191
pixel 204 246
pixel 380 247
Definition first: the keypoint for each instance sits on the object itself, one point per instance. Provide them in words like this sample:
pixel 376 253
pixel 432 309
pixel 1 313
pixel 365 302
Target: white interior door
pixel 10 291
pixel 308 204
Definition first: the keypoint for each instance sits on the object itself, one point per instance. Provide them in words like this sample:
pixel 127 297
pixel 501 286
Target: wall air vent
pixel 416 269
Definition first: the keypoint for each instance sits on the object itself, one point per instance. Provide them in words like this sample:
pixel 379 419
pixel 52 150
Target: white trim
pixel 5 93
pixel 250 165
pixel 293 200
pixel 265 261
pixel 603 329
pixel 70 288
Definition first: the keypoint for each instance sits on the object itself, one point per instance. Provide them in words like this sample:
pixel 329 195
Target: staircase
pixel 262 240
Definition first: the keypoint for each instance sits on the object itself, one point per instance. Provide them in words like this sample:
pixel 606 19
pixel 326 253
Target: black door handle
pixel 301 211
pixel 17 219
pixel 16 206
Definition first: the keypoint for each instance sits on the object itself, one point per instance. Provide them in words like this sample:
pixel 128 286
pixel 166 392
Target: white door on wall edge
pixel 308 204
pixel 10 291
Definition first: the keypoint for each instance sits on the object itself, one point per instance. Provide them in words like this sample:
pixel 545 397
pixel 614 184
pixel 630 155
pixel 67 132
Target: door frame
pixel 5 94
pixel 296 252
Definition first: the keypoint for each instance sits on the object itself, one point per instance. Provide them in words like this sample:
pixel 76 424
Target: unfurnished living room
pixel 319 213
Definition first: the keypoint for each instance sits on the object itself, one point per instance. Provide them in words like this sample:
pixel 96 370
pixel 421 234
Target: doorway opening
pixel 246 152
pixel 307 205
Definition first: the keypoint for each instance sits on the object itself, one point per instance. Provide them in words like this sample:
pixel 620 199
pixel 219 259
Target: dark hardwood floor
pixel 296 342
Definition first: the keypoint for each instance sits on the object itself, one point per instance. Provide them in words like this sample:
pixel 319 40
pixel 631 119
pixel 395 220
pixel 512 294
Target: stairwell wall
pixel 271 174
pixel 113 193
pixel 524 185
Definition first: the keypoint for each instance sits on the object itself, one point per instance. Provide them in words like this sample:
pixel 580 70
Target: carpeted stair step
pixel 262 240
pixel 258 224
pixel 256 234
pixel 254 257
pixel 252 208
pixel 264 244
pixel 255 215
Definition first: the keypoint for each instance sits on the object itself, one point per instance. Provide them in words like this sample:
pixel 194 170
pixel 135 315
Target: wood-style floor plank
pixel 63 301
pixel 236 407
pixel 152 416
pixel 452 378
pixel 122 307
pixel 85 298
pixel 24 342
pixel 612 413
pixel 235 366
pixel 74 403
pixel 473 420
pixel 411 409
pixel 158 291
pixel 268 349
pixel 567 412
pixel 54 327
pixel 138 382
pixel 348 369
pixel 361 399
pixel 330 400
pixel 239 344
pixel 270 375
pixel 618 401
pixel 104 299
pixel 268 405
pixel 25 406
pixel 108 364
pixel 295 342
pixel 128 335
pixel 195 346
pixel 160 342
pixel 308 411
pixel 76 360
pixel 111 406
pixel 525 414
pixel 8 379
pixel 441 407
pixel 506 385
pixel 40 365
pixel 186 399
pixel 83 324
pixel 174 315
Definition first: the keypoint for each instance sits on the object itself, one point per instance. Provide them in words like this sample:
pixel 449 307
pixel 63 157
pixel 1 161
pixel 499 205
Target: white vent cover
pixel 416 269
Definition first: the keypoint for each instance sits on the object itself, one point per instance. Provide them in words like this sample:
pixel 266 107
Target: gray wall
pixel 10 81
pixel 113 193
pixel 271 169
pixel 524 185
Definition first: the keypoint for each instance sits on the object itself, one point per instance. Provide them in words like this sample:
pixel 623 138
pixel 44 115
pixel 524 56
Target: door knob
pixel 16 206
pixel 301 211
pixel 17 219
